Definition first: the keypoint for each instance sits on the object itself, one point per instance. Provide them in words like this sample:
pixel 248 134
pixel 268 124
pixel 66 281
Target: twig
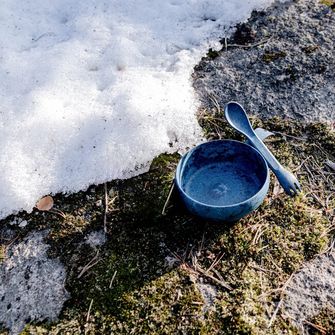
pixel 58 212
pixel 88 316
pixel 215 262
pixel 48 34
pixel 289 136
pixel 89 311
pixel 190 253
pixel 318 199
pixel 247 46
pixel 256 267
pixel 215 102
pixel 283 288
pixel 304 161
pixel 321 329
pixel 196 268
pixel 259 233
pixel 330 249
pixel 267 293
pixel 106 209
pixel 201 245
pixel 220 282
pixel 95 260
pixel 274 263
pixel 11 242
pixel 212 118
pixel 111 283
pixel 218 109
pixel 217 128
pixel 168 198
pixel 218 274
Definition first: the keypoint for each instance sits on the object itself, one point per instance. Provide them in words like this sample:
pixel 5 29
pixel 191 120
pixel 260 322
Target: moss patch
pixel 269 57
pixel 330 3
pixel 145 279
pixel 212 54
pixel 323 323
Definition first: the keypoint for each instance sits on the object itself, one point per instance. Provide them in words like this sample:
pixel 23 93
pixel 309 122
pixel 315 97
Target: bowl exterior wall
pixel 216 213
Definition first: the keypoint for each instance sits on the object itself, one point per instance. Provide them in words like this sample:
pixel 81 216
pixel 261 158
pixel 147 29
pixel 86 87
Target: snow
pixel 93 90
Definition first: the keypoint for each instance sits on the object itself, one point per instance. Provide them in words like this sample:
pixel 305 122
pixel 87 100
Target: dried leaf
pixel 331 165
pixel 45 204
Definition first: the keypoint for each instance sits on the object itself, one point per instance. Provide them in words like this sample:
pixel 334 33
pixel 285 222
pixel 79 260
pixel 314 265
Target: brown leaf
pixel 45 204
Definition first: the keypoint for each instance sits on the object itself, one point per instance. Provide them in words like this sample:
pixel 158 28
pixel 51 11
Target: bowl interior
pixel 223 173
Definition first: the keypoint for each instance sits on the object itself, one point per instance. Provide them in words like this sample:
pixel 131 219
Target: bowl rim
pixel 178 172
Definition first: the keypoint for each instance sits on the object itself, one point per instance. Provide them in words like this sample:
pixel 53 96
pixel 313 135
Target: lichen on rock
pixel 31 284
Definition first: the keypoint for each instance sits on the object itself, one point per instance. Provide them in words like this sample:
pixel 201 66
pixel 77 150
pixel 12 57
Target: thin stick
pixel 215 262
pixel 256 267
pixel 111 283
pixel 89 265
pixel 283 288
pixel 88 317
pixel 197 269
pixel 318 199
pixel 215 102
pixel 289 136
pixel 321 329
pixel 258 234
pixel 247 46
pixel 89 311
pixel 220 282
pixel 168 198
pixel 106 209
pixel 299 167
pixel 218 274
pixel 58 212
pixel 11 242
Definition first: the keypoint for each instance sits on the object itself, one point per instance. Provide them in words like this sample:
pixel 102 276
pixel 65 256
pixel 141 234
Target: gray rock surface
pixel 31 284
pixel 311 290
pixel 290 74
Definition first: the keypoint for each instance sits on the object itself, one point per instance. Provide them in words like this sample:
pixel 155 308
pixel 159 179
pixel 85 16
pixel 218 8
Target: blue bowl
pixel 222 180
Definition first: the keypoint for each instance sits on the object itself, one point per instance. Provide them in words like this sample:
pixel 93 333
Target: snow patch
pixel 92 90
pixel 96 238
pixel 18 222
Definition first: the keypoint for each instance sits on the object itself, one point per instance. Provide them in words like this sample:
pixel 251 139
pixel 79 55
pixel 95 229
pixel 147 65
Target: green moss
pixel 2 252
pixel 310 49
pixel 323 323
pixel 269 57
pixel 3 331
pixel 329 3
pixel 255 256
pixel 212 54
pixel 165 306
pixel 321 136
